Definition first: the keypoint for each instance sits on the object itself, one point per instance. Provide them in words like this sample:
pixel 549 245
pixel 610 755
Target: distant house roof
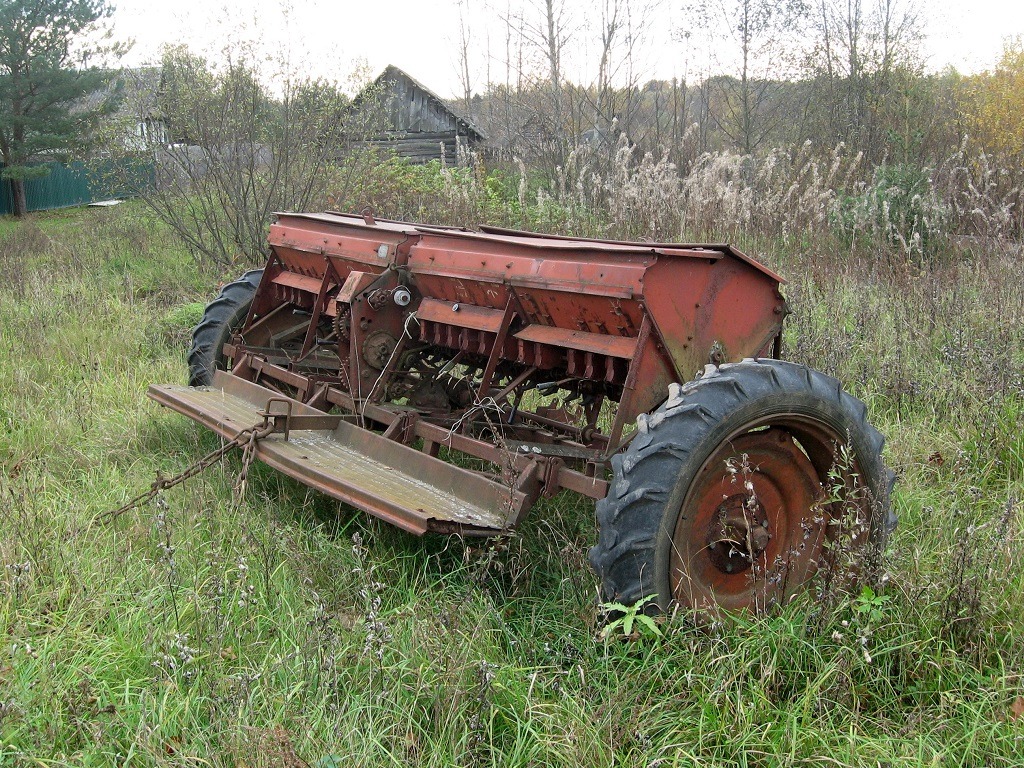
pixel 392 74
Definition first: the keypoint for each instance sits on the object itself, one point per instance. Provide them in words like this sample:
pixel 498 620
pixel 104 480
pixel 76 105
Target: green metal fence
pixel 79 184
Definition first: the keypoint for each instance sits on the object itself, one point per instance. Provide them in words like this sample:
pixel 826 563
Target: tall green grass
pixel 287 630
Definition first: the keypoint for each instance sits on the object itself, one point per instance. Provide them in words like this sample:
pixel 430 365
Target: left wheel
pixel 741 487
pixel 222 317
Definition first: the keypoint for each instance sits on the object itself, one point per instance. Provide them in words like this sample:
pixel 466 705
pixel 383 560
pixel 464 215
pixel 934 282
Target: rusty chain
pixel 248 454
pixel 246 439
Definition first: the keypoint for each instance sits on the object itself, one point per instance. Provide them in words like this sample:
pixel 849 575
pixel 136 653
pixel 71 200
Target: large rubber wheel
pixel 739 488
pixel 223 316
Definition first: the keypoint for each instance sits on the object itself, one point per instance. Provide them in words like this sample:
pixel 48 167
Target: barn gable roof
pixel 392 73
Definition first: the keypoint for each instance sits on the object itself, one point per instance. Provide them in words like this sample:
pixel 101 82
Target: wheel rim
pixel 756 523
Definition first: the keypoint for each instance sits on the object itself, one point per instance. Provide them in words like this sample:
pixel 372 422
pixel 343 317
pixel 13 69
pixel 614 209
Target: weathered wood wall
pixel 421 147
pixel 420 122
pixel 413 110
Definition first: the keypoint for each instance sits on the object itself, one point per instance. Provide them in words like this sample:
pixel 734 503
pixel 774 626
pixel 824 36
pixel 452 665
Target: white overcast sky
pixel 329 39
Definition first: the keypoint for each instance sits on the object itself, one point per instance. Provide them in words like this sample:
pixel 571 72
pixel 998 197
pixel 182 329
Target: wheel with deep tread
pixel 222 317
pixel 739 488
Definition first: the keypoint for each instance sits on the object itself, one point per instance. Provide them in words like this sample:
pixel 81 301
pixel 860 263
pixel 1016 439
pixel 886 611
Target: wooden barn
pixel 419 122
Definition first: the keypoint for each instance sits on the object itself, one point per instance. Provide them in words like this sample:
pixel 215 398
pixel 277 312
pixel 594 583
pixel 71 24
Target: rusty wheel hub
pixel 753 525
pixel 739 534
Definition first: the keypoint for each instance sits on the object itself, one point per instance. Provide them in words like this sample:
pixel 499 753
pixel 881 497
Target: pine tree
pixel 48 104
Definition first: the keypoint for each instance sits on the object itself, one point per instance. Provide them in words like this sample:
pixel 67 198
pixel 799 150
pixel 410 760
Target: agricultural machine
pixel 445 380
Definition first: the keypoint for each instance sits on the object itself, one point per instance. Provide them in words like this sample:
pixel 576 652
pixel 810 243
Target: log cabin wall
pixel 421 123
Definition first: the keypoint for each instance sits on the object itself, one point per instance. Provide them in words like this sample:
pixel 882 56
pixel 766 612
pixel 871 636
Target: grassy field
pixel 286 630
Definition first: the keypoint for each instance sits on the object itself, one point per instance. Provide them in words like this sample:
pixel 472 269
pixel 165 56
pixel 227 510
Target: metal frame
pixel 598 321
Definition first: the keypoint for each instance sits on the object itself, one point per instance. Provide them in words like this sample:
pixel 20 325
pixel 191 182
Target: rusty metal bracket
pixel 551 466
pixel 508 316
pixel 528 483
pixel 402 429
pixel 554 449
pixel 329 282
pixel 286 421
